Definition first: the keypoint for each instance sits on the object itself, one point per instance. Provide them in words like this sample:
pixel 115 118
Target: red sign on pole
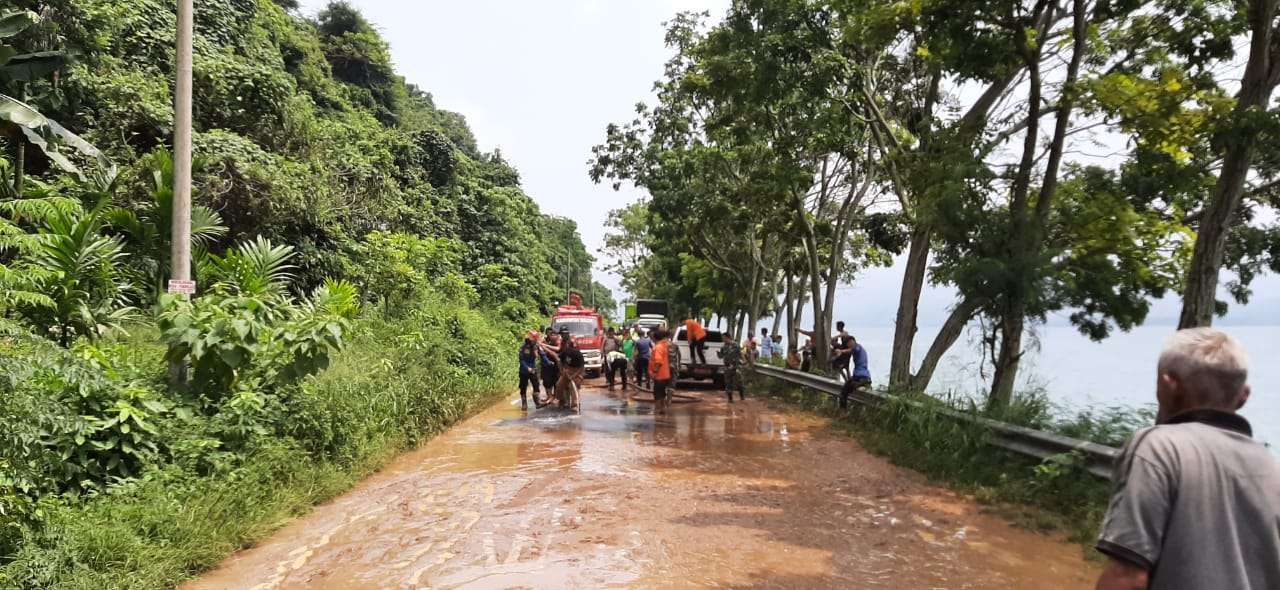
pixel 184 287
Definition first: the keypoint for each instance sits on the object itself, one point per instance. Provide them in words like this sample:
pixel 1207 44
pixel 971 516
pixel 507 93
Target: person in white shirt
pixel 766 344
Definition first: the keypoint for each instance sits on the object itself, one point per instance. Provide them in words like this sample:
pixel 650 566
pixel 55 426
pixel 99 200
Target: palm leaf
pixel 206 226
pixel 258 267
pixel 19 288
pixel 127 222
pixel 39 210
pixel 271 262
pixel 336 298
pixel 16 298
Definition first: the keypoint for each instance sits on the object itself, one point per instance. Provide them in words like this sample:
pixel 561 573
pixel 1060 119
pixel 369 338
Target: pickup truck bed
pixel 714 369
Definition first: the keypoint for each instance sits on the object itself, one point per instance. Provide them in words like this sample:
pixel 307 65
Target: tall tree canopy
pixel 822 137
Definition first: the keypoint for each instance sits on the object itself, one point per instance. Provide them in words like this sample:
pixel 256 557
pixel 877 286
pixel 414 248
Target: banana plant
pixel 17 69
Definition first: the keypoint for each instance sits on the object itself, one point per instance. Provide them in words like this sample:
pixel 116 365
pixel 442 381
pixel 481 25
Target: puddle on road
pixel 711 495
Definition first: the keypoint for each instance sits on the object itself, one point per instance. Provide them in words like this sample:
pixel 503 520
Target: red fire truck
pixel 586 327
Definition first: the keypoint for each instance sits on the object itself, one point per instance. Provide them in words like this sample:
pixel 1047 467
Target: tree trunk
pixel 820 330
pixel 1006 370
pixel 1199 296
pixel 20 143
pixel 821 336
pixel 753 301
pixel 835 266
pixel 19 165
pixel 904 332
pixel 778 310
pixel 1026 231
pixel 790 307
pixel 829 303
pixel 802 299
pixel 942 342
pixel 1012 302
pixel 970 126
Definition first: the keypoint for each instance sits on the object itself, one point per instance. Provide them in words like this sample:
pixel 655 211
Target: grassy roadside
pixel 396 384
pixel 1052 497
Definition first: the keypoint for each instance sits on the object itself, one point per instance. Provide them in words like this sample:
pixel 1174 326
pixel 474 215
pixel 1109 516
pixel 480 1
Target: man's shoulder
pixel 1170 445
pixel 1163 439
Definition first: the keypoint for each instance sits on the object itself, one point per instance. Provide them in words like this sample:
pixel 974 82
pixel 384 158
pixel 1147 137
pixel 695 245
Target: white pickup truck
pixel 714 369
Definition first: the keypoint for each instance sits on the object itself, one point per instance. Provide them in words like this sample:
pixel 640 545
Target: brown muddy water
pixel 713 495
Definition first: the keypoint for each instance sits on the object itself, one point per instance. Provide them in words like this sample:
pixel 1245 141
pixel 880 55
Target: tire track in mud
pixel 712 495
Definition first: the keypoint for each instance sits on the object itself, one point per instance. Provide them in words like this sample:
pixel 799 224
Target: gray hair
pixel 1209 361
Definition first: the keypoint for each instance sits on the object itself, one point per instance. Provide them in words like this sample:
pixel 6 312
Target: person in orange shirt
pixel 660 371
pixel 697 340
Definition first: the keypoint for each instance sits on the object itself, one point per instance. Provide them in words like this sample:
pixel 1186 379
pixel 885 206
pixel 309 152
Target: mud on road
pixel 712 495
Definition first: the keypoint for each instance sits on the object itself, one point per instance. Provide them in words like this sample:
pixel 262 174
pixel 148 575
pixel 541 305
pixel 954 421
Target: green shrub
pixel 77 420
pixel 395 267
pixel 107 477
pixel 1110 426
pixel 76 267
pixel 916 431
pixel 217 480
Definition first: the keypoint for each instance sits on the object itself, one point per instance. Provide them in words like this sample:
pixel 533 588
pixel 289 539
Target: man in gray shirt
pixel 1197 500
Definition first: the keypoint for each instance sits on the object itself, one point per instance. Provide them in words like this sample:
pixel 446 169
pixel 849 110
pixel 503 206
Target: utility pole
pixel 180 235
pixel 180 231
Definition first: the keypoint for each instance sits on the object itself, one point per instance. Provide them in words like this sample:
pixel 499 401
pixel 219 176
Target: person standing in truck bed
pixel 697 336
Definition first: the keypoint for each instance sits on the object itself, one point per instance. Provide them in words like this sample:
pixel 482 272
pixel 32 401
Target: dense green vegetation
pixel 364 265
pixel 305 136
pixel 110 481
pixel 363 268
pixel 914 431
pixel 1037 157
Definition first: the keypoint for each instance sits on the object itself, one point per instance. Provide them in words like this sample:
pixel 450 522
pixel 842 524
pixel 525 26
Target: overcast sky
pixel 540 80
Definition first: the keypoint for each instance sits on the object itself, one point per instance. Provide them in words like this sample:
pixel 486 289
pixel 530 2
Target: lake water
pixel 1079 373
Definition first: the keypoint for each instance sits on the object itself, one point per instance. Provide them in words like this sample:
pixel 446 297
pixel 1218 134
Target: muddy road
pixel 712 495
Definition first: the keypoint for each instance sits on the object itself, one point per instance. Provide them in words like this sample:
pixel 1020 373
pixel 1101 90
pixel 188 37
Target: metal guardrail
pixel 1024 441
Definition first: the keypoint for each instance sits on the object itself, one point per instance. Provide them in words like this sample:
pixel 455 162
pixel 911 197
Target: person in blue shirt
pixel 861 376
pixel 529 353
pixel 643 351
pixel 861 370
